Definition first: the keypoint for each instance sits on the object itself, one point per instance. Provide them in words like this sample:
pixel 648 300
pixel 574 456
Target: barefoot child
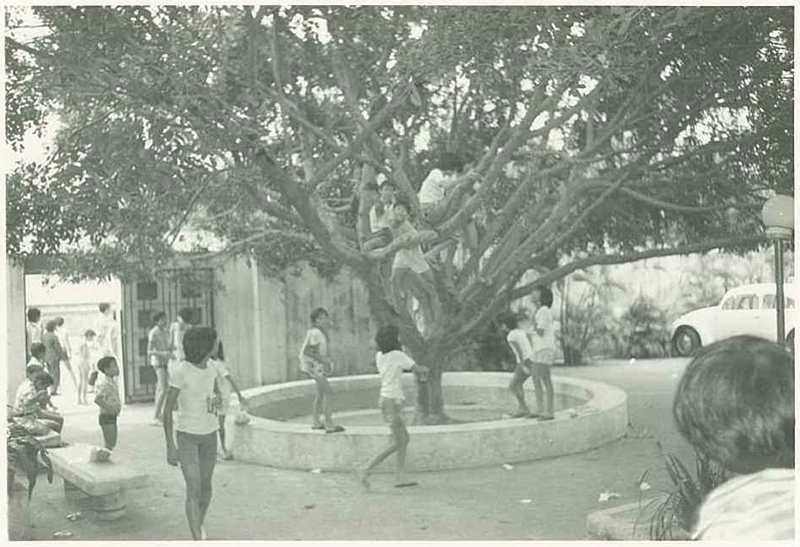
pixel 225 386
pixel 192 384
pixel 107 398
pixel 391 361
pixel 543 342
pixel 86 355
pixel 735 404
pixel 315 362
pixel 520 344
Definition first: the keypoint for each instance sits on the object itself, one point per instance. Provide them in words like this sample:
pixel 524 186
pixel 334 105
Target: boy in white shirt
pixel 521 346
pixel 543 342
pixel 391 361
pixel 192 385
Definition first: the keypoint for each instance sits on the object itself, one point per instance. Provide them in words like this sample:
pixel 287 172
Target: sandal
pixel 334 429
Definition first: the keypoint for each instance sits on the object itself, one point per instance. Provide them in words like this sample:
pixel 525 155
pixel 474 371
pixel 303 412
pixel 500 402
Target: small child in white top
pixel 224 386
pixel 391 361
pixel 523 353
pixel 544 349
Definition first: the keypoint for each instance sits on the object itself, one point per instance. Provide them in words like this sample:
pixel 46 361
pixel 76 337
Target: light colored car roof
pixel 762 288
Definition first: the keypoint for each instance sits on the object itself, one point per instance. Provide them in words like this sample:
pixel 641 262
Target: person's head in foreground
pixel 388 339
pixel 199 343
pixel 735 404
pixel 108 366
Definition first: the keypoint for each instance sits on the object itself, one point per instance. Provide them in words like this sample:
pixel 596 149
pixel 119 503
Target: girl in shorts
pixel 316 363
pixel 391 361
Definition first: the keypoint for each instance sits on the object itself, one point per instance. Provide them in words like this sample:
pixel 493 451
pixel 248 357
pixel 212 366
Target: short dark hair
pixel 451 162
pixel 735 404
pixel 43 379
pixel 34 314
pixel 401 201
pixel 198 342
pixel 38 349
pixel 386 182
pixel 104 363
pixel 186 314
pixel 33 369
pixel 316 312
pixel 89 333
pixel 158 316
pixel 388 338
pixel 59 320
pixel 51 325
pixel 103 307
pixel 545 295
pixel 508 319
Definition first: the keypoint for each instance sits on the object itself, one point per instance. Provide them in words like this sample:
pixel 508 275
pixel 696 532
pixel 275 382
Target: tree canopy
pixel 598 135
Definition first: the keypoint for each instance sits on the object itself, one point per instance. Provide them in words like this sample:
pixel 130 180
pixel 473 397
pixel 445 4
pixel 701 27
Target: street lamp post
pixel 778 217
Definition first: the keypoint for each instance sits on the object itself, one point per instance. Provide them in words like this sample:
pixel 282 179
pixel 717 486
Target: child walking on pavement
pixel 391 361
pixel 316 363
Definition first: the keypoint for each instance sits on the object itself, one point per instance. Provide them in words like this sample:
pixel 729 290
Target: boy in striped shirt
pixel 735 403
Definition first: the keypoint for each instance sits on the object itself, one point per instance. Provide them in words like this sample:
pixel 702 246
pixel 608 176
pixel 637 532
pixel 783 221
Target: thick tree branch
pixel 596 260
pixel 231 247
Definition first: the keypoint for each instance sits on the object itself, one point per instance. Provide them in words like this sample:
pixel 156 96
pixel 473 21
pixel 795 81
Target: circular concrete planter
pixel 597 414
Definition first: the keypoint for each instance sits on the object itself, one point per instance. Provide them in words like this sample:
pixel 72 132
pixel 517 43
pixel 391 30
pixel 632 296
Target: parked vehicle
pixel 749 309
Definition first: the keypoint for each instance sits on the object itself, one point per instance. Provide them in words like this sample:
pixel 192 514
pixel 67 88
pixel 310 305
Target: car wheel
pixel 685 342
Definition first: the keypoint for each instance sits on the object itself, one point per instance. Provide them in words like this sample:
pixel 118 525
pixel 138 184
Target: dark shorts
pixel 192 449
pixel 108 419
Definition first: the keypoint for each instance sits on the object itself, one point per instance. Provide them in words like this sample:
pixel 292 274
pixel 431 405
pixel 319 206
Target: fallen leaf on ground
pixel 526 501
pixel 605 496
pixel 317 471
pixel 644 487
pixel 310 506
pixel 507 466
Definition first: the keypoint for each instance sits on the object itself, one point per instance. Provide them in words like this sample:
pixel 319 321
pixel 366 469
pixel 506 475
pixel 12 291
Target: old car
pixel 749 309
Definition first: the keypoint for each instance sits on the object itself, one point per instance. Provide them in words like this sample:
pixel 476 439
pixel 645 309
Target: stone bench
pixel 104 483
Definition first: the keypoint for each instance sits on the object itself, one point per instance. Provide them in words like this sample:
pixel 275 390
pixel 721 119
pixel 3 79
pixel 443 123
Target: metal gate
pixel 174 290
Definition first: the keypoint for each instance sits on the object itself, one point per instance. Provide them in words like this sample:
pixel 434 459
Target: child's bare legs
pixel 197 455
pixel 161 391
pixel 517 380
pixel 109 435
pixel 83 380
pixel 399 444
pixel 56 419
pixel 538 386
pixel 548 389
pixel 225 454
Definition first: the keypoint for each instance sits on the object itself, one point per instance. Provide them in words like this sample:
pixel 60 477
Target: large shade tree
pixel 599 135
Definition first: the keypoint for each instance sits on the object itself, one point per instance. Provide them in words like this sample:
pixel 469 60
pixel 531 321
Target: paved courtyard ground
pixel 259 503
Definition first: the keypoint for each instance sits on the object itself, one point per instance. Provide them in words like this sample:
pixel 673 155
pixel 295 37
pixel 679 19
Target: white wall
pixel 15 328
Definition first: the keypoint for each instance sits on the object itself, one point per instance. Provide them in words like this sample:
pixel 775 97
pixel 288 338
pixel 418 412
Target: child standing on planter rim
pixel 316 363
pixel 520 344
pixel 543 342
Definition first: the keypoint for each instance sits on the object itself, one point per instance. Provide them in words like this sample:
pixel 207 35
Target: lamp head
pixel 778 216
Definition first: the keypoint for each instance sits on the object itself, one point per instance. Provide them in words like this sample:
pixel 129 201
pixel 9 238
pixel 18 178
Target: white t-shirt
pixel 379 222
pixel 317 343
pixel 433 188
pixel 106 335
pixel 390 367
pixel 543 319
pixel 519 342
pixel 197 411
